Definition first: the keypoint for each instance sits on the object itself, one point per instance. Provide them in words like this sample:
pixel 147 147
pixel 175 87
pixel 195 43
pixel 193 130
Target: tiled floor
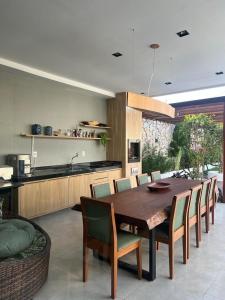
pixel 202 278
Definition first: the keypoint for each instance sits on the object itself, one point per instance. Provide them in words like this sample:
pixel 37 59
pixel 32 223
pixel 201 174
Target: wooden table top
pixel 145 208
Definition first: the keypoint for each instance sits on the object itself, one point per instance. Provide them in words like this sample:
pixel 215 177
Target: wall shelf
pixel 41 136
pixel 95 127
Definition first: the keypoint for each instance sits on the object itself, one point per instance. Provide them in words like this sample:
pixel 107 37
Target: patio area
pixel 201 279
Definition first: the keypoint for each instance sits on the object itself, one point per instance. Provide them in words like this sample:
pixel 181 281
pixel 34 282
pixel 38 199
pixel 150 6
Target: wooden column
pixel 224 152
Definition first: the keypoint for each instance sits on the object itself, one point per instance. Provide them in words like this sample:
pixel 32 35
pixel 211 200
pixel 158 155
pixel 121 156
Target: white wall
pixel 26 99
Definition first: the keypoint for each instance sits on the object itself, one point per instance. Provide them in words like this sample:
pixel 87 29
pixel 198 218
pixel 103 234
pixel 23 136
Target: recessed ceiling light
pixel 117 54
pixel 219 73
pixel 183 33
pixel 168 82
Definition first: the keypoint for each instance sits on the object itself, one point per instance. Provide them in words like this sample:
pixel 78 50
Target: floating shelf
pixel 96 127
pixel 41 136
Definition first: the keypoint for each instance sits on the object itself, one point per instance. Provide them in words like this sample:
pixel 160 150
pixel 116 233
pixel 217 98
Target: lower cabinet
pixel 43 197
pixel 80 185
pixel 47 196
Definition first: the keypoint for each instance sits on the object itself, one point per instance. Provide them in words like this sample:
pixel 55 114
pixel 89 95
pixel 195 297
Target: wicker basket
pixel 21 279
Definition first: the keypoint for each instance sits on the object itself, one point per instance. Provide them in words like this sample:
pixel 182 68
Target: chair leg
pixel 184 249
pixel 157 246
pixel 200 228
pixel 207 221
pixel 139 261
pixel 197 234
pixel 171 259
pixel 114 274
pixel 213 214
pixel 85 263
pixel 188 243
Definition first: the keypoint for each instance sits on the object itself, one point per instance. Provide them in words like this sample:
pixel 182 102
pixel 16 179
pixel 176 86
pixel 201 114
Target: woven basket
pixel 21 279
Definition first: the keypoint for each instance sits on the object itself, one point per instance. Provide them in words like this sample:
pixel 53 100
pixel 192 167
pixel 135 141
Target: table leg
pixel 152 255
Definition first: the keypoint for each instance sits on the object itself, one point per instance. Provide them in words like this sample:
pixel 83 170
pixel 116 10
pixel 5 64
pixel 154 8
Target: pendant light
pixel 154 47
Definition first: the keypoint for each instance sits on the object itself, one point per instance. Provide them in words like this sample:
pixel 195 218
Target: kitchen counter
pixel 48 172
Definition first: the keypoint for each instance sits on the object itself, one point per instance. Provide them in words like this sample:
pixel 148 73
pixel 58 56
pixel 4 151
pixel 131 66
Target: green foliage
pixel 199 141
pixel 104 138
pixel 153 160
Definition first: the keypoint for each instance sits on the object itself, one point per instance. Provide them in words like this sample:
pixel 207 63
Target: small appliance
pixel 21 164
pixel 6 172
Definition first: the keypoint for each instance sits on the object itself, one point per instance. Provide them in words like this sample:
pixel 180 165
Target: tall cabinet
pixel 124 115
pixel 126 124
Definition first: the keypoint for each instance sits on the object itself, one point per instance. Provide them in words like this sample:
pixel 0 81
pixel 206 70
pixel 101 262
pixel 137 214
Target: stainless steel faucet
pixel 76 155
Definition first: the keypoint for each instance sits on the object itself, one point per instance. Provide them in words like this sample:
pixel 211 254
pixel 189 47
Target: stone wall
pixel 157 134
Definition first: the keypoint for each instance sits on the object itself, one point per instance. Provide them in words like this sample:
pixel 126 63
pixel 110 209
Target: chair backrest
pixel 98 221
pixel 99 190
pixel 212 190
pixel 195 200
pixel 179 210
pixel 205 192
pixel 142 179
pixel 122 184
pixel 156 175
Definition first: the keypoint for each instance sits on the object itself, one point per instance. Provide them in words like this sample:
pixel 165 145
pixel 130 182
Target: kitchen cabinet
pixel 40 198
pixel 80 185
pixel 46 196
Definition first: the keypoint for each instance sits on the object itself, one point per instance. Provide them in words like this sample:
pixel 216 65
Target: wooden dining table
pixel 146 209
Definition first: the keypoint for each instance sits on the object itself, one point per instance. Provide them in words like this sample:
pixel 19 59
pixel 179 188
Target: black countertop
pixel 6 185
pixel 48 172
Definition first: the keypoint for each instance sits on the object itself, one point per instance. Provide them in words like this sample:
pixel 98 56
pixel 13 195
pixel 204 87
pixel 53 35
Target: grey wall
pixel 26 99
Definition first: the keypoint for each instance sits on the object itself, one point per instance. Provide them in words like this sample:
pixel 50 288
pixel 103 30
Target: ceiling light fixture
pixel 117 54
pixel 183 33
pixel 219 73
pixel 154 47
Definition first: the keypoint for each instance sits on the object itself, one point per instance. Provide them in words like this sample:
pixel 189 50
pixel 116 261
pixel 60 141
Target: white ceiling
pixel 76 38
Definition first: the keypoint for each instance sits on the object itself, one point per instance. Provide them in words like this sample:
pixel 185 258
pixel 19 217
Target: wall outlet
pixel 83 153
pixel 34 154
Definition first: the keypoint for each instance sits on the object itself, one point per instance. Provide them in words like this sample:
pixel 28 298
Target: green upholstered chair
pixel 156 175
pixel 142 179
pixel 193 218
pixel 204 205
pixel 212 197
pixel 99 190
pixel 99 233
pixel 122 184
pixel 170 232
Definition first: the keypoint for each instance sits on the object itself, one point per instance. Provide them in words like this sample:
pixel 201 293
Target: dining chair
pixel 212 197
pixel 204 206
pixel 156 175
pixel 121 184
pixel 170 231
pixel 99 190
pixel 99 233
pixel 142 179
pixel 193 216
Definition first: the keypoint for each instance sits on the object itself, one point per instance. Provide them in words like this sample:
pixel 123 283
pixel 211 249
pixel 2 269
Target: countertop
pixel 48 172
pixel 6 185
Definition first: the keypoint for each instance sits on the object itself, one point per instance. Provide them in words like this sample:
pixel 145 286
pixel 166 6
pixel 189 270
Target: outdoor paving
pixel 203 278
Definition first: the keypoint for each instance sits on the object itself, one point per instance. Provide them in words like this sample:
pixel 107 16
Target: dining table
pixel 146 209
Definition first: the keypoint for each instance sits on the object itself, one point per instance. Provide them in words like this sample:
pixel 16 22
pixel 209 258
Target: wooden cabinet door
pixel 40 198
pixel 57 191
pixel 78 186
pixel 29 196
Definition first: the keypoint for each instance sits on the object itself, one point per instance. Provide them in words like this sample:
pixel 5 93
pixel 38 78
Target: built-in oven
pixel 134 151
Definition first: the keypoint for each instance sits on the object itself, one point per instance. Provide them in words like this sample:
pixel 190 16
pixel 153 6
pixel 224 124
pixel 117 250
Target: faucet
pixel 76 155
